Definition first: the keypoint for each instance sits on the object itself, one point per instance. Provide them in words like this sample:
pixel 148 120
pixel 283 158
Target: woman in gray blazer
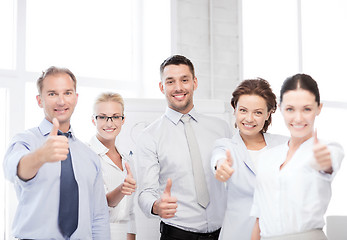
pixel 234 160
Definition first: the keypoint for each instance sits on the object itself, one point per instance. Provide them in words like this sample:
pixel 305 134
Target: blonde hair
pixel 109 97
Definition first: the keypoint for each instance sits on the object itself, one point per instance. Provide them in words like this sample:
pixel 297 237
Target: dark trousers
pixel 169 232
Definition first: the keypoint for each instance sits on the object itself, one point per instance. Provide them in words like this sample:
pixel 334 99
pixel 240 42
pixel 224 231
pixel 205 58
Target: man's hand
pixel 56 147
pixel 166 206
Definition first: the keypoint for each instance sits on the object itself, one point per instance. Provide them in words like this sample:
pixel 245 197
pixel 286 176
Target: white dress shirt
pixel 122 219
pixel 163 153
pixel 238 224
pixel 295 198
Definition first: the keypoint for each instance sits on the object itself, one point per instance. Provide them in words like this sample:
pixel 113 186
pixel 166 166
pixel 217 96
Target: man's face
pixel 58 99
pixel 178 85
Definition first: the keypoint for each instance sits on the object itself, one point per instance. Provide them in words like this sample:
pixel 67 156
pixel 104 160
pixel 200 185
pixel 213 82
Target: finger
pixel 315 137
pixel 127 167
pixel 129 180
pixel 55 128
pixel 229 158
pixel 168 187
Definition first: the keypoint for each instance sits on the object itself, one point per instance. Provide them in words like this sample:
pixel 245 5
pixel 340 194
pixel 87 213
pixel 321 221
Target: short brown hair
pixel 53 71
pixel 259 87
pixel 177 60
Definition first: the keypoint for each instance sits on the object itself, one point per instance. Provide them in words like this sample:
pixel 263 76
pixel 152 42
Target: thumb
pixel 127 167
pixel 229 158
pixel 55 128
pixel 315 139
pixel 168 187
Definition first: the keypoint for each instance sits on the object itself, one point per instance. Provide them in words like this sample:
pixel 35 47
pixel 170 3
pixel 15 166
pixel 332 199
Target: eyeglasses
pixel 106 118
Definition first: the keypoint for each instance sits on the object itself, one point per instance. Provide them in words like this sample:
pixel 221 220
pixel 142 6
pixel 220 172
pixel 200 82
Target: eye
pixel 169 82
pixel 185 80
pixel 116 117
pixel 242 110
pixel 51 94
pixel 68 93
pixel 289 109
pixel 101 117
pixel 307 109
pixel 258 113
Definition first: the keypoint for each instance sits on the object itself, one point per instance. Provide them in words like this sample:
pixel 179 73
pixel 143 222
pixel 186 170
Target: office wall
pixel 208 32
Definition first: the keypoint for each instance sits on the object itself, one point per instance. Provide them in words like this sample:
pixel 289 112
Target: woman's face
pixel 299 110
pixel 108 128
pixel 251 113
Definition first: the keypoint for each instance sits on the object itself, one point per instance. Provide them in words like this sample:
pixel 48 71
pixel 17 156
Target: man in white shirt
pixel 168 187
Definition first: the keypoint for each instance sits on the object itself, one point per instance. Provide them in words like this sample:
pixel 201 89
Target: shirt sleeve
pixel 337 155
pixel 100 221
pixel 19 147
pixel 148 173
pixel 218 152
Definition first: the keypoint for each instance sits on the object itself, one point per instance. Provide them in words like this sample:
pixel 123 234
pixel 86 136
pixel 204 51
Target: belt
pixel 178 233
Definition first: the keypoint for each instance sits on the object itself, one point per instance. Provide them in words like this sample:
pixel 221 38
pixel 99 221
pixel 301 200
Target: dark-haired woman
pixel 293 187
pixel 236 159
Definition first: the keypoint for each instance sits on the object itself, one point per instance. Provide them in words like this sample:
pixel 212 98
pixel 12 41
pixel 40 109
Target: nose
pixel 61 99
pixel 298 116
pixel 249 117
pixel 178 85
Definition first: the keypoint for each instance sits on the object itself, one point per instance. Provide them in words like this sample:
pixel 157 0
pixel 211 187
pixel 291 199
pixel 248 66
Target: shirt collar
pixel 97 146
pixel 175 116
pixel 45 128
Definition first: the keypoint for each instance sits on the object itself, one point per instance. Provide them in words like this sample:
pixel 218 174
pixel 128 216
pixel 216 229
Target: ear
pixel 195 82
pixel 161 87
pixel 123 120
pixel 269 114
pixel 93 120
pixel 39 101
pixel 319 109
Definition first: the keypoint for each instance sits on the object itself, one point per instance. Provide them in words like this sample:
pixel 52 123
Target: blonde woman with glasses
pixel 117 166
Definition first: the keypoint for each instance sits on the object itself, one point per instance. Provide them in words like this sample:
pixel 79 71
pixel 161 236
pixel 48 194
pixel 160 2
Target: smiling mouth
pixel 61 110
pixel 179 96
pixel 298 126
pixel 110 130
pixel 248 125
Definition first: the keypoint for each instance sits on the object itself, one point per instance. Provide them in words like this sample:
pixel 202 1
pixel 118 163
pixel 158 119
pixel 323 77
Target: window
pixel 110 45
pixel 282 38
pixel 7 34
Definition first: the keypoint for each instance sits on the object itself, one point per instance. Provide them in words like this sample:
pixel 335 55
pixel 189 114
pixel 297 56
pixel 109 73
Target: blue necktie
pixel 68 203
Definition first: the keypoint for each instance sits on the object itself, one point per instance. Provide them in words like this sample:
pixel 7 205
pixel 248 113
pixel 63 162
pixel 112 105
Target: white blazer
pixel 238 223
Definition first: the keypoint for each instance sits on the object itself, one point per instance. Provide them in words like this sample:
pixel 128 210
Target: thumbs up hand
pixel 56 146
pixel 321 155
pixel 166 206
pixel 224 168
pixel 129 184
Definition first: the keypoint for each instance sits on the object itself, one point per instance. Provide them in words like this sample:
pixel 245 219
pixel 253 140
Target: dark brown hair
pixel 302 81
pixel 259 87
pixel 177 60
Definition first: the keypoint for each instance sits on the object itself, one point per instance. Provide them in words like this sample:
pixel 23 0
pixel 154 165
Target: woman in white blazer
pixel 293 186
pixel 235 160
pixel 117 167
